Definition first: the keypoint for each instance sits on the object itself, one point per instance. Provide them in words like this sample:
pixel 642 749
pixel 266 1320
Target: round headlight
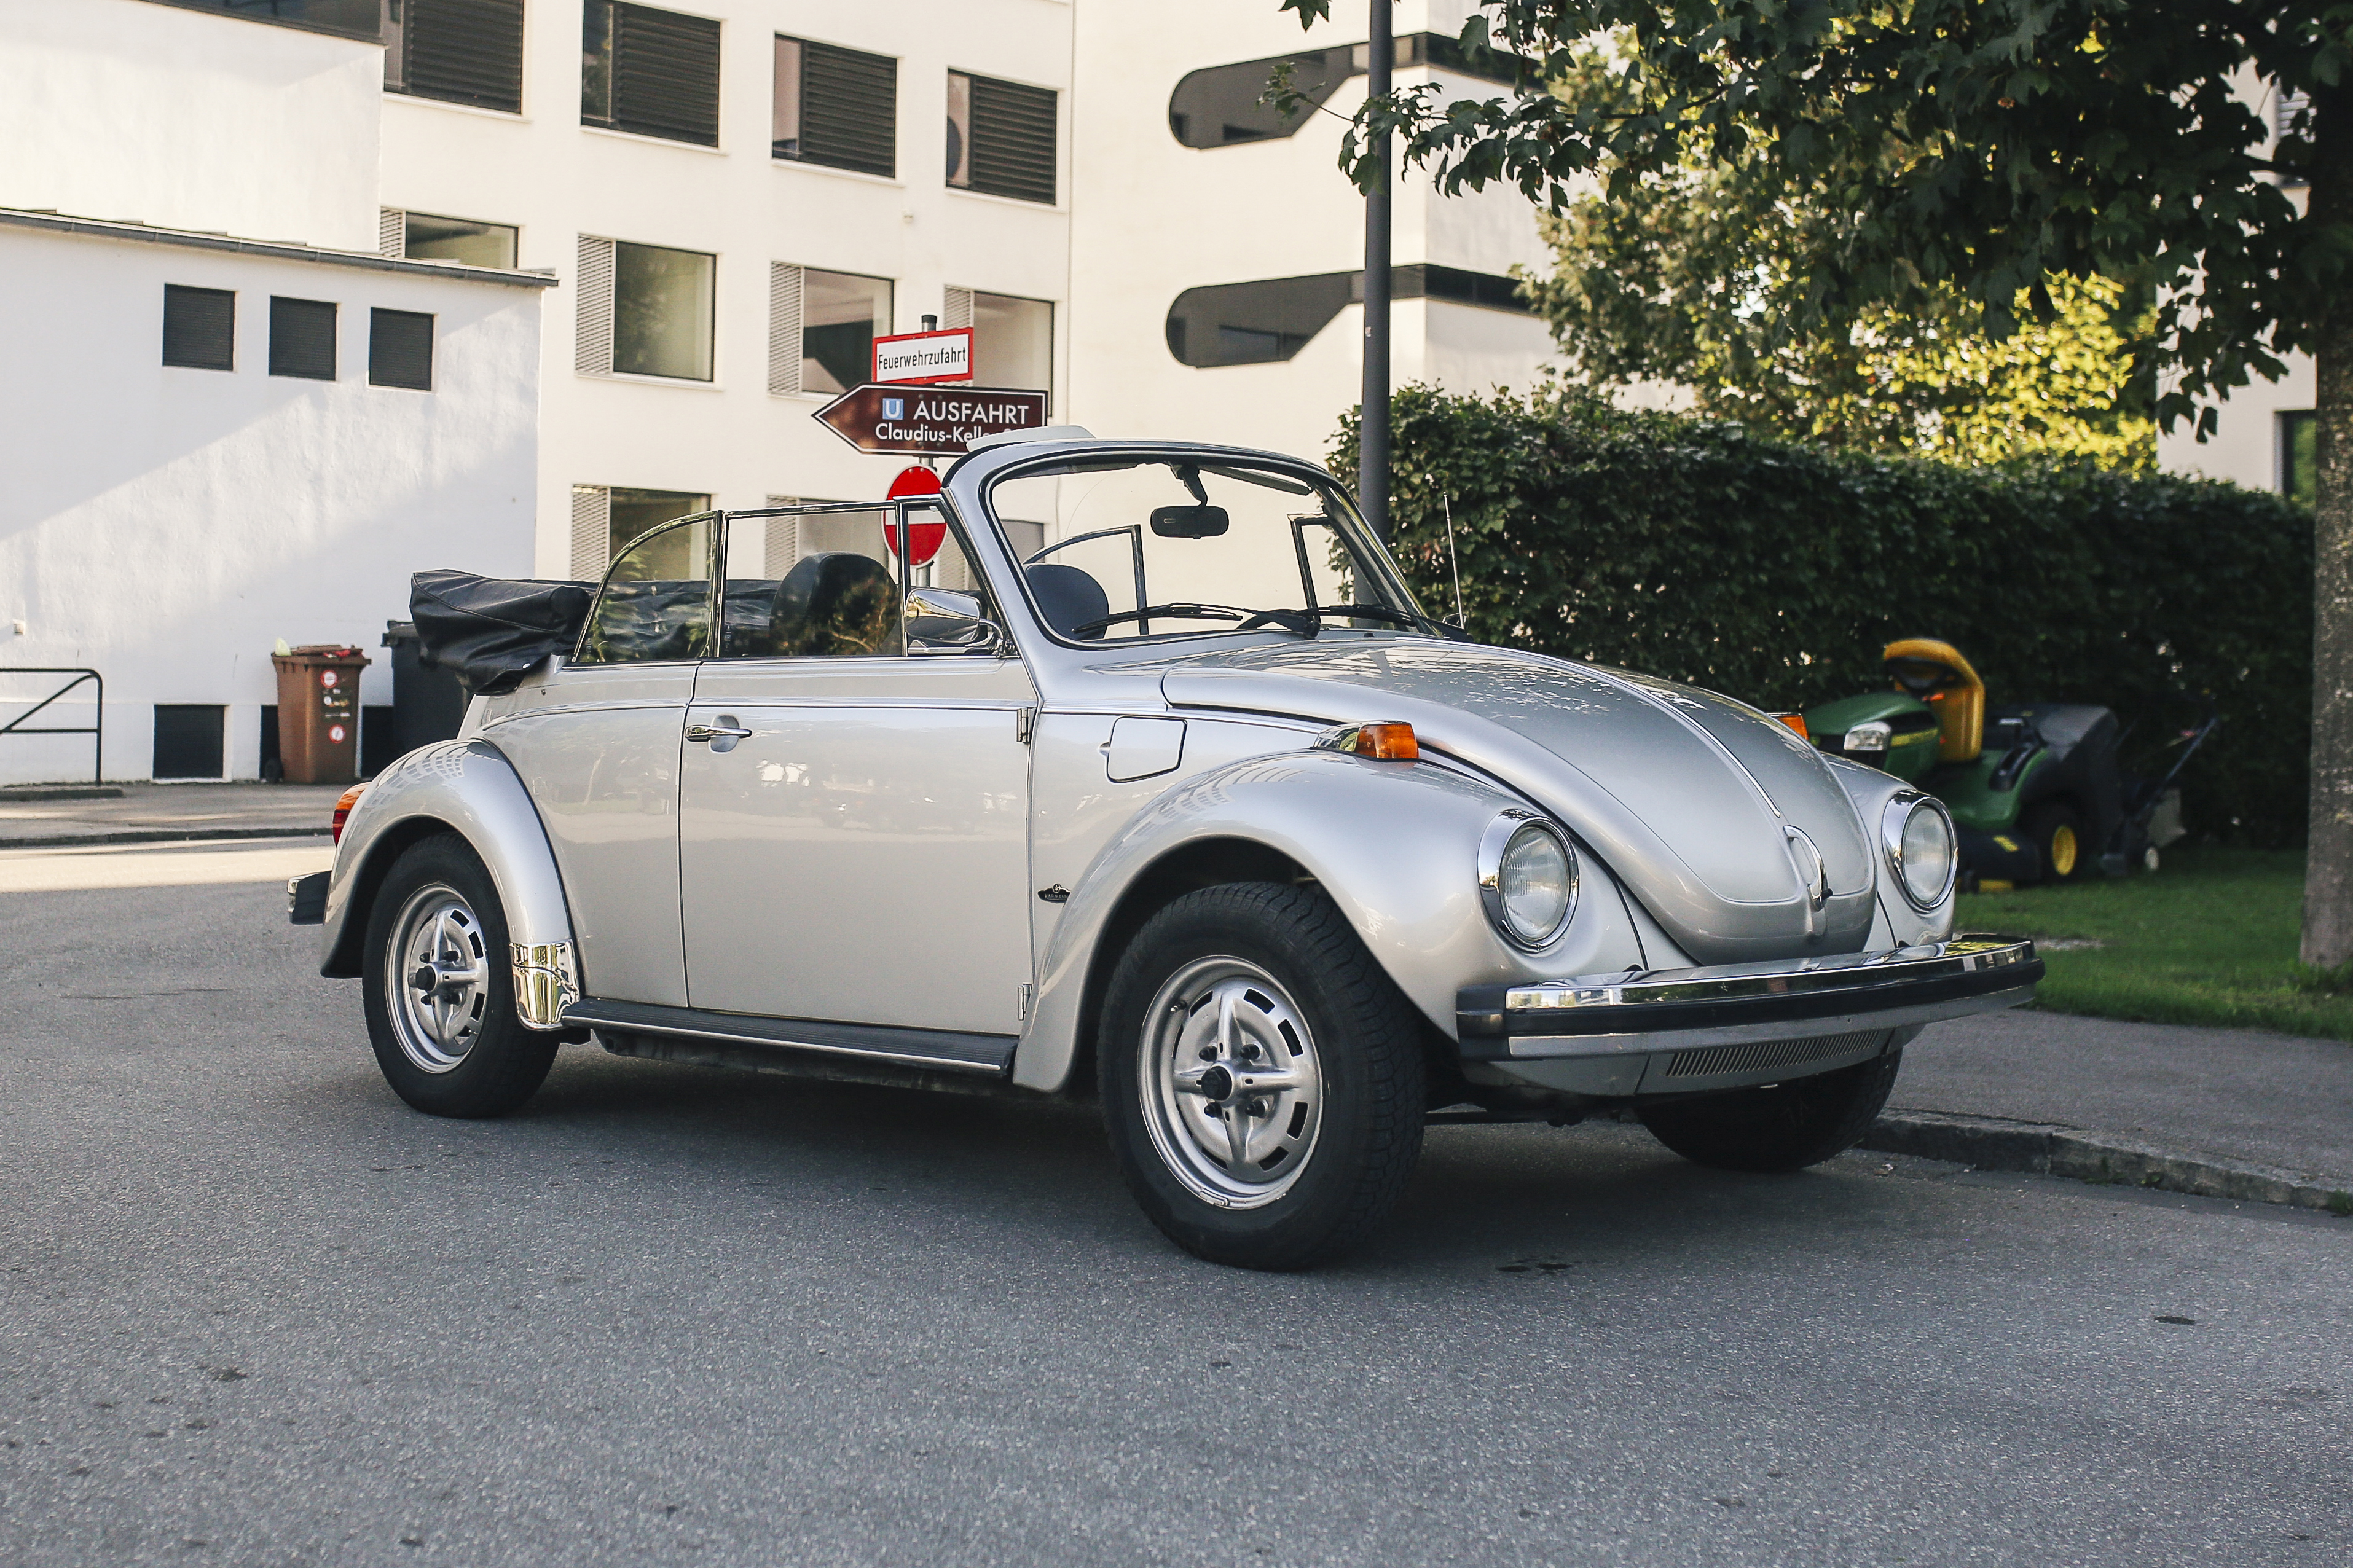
pixel 1916 832
pixel 1527 879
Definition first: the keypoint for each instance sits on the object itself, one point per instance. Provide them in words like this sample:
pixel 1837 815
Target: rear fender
pixel 1396 846
pixel 469 788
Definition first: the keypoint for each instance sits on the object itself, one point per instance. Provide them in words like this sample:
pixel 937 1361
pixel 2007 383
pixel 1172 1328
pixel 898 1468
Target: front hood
pixel 1687 796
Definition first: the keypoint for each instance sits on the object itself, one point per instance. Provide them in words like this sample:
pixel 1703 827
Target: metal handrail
pixel 97 731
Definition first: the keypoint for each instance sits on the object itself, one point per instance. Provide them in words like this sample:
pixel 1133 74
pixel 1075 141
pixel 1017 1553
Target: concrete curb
pixel 160 836
pixel 1992 1144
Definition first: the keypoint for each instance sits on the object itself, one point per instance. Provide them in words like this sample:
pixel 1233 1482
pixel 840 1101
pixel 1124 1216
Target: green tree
pixel 1696 278
pixel 1984 146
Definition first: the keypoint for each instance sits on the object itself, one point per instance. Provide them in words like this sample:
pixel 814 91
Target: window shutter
pixel 592 532
pixel 784 332
pixel 303 338
pixel 956 307
pixel 465 51
pixel 849 109
pixel 391 231
pixel 199 328
pixel 1013 140
pixel 592 343
pixel 665 75
pixel 781 546
pixel 400 350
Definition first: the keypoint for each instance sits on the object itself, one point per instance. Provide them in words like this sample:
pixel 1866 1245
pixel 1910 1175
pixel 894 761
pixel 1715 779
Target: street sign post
pixel 929 422
pixel 923 359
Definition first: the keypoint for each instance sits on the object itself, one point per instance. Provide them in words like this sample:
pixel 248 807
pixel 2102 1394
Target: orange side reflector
pixel 1391 742
pixel 343 803
pixel 1796 722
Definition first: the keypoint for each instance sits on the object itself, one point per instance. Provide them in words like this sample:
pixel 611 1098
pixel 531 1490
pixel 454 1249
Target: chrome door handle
pixel 716 732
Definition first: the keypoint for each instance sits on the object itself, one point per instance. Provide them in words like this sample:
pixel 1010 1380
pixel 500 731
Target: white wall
pixel 1155 218
pixel 542 170
pixel 125 110
pixel 167 526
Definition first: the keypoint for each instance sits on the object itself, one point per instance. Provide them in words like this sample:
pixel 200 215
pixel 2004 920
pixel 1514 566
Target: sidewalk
pixel 2206 1102
pixel 151 813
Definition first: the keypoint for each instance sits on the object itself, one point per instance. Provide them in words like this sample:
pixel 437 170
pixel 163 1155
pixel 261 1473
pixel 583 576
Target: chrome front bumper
pixel 1741 1004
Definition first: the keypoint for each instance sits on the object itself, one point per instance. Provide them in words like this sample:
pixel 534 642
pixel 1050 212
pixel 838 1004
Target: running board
pixel 936 1050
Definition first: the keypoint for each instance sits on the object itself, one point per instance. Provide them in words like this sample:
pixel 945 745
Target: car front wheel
pixel 1780 1127
pixel 438 990
pixel 1262 1079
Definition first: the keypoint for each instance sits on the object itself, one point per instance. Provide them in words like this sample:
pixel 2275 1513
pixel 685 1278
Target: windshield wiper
pixel 1395 617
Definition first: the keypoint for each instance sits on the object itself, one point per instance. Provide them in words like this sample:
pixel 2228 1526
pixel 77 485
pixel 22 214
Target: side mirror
pixel 943 621
pixel 1188 522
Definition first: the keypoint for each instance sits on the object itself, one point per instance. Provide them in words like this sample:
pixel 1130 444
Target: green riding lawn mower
pixel 2035 789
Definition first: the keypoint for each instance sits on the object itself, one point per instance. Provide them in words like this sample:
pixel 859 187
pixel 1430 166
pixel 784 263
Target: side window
pixel 656 604
pixel 825 584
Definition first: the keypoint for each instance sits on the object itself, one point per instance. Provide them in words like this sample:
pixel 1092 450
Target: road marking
pixel 202 863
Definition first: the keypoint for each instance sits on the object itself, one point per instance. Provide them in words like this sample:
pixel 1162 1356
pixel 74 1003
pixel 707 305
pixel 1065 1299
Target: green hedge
pixel 1776 572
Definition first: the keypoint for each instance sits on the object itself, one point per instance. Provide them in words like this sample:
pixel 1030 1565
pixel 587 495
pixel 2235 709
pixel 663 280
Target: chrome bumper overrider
pixel 1678 1008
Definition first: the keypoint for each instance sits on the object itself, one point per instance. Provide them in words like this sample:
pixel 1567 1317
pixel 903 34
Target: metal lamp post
pixel 1373 423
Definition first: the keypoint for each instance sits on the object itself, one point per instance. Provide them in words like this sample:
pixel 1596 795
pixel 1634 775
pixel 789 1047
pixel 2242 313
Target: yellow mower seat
pixel 1936 673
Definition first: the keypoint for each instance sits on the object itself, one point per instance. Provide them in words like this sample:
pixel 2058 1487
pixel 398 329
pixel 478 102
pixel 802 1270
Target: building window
pixel 652 73
pixel 422 237
pixel 662 312
pixel 1224 106
pixel 836 107
pixel 606 519
pixel 1272 319
pixel 199 328
pixel 302 339
pixel 822 327
pixel 2299 458
pixel 400 350
pixel 188 740
pixel 351 19
pixel 1012 339
pixel 460 51
pixel 1001 138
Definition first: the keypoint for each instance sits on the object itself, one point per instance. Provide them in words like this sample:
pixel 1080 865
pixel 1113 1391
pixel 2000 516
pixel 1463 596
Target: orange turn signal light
pixel 1389 742
pixel 343 803
pixel 1796 722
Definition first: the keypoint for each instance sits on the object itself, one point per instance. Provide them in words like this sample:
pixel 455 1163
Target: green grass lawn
pixel 2210 939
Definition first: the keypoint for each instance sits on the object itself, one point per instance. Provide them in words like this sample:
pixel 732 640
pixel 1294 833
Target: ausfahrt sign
pixel 913 359
pixel 937 422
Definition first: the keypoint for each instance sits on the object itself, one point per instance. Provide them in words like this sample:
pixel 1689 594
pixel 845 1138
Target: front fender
pixel 1395 845
pixel 1899 925
pixel 469 787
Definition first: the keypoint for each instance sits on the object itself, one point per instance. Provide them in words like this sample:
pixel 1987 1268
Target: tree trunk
pixel 2328 869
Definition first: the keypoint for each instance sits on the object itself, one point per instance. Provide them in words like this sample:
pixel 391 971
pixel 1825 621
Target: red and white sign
pixel 923 359
pixel 923 538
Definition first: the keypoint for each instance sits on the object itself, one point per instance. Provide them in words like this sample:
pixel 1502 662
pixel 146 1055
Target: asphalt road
pixel 254 1310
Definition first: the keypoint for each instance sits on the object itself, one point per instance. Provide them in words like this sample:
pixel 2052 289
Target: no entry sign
pixel 927 422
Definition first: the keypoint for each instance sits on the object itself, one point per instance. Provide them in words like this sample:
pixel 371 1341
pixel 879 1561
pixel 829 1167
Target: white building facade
pixel 2264 432
pixel 230 422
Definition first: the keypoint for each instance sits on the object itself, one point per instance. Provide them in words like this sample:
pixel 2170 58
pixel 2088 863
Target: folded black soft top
pixel 490 632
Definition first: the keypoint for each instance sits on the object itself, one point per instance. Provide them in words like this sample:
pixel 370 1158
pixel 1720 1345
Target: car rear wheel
pixel 439 991
pixel 1781 1127
pixel 2057 833
pixel 1262 1079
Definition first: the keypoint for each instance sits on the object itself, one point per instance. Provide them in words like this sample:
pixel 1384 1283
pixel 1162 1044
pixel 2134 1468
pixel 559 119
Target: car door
pixel 853 812
pixel 597 747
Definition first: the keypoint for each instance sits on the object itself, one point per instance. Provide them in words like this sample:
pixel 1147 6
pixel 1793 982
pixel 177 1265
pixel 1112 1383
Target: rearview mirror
pixel 941 620
pixel 1188 522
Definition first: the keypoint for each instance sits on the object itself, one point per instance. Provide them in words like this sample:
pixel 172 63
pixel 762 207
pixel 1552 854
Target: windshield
pixel 1114 549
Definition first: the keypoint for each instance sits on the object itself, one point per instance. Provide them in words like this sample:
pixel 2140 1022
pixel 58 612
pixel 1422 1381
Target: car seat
pixel 1935 673
pixel 1066 597
pixel 837 604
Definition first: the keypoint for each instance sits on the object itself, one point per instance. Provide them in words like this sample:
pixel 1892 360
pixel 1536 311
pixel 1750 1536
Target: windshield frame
pixel 1368 552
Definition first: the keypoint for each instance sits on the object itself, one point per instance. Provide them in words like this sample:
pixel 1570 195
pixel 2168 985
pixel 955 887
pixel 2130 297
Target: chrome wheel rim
pixel 436 978
pixel 1232 1089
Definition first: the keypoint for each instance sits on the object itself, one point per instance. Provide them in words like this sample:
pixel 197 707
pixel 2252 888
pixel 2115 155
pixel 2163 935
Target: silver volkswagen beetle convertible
pixel 1133 770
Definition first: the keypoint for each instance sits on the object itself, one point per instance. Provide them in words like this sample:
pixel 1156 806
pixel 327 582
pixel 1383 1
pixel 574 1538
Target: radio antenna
pixel 1454 564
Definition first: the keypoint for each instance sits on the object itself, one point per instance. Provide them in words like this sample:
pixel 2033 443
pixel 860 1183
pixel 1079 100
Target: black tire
pixel 1355 1034
pixel 1786 1127
pixel 2056 830
pixel 501 1063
